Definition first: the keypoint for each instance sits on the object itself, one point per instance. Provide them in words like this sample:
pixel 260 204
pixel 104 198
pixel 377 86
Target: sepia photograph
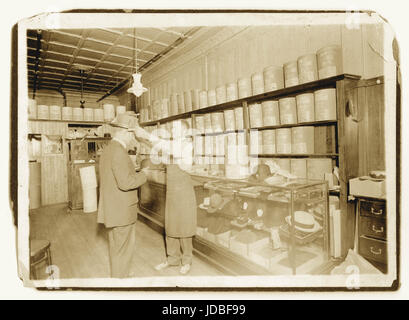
pixel 206 150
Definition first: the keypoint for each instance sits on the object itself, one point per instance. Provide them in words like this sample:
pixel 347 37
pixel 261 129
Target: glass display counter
pixel 246 228
pixel 255 222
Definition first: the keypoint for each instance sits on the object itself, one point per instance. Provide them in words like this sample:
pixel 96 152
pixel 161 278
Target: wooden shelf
pixel 100 123
pixel 303 124
pixel 296 155
pixel 285 92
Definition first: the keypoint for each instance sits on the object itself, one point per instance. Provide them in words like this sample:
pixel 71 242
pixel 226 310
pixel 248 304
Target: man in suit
pixel 118 201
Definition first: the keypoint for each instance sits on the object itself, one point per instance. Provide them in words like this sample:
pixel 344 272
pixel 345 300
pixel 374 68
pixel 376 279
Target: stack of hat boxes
pixel 223 139
pixel 296 130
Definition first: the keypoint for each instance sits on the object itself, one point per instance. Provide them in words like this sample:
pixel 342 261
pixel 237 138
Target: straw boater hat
pixel 127 120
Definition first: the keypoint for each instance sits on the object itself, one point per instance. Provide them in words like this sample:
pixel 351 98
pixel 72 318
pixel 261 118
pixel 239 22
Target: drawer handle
pixel 380 230
pixel 377 213
pixel 378 252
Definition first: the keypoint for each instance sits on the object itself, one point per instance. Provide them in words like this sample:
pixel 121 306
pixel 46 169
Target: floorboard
pixel 79 246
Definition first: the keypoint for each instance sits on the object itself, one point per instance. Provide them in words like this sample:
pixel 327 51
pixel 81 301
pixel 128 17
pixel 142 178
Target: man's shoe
pixel 185 269
pixel 162 266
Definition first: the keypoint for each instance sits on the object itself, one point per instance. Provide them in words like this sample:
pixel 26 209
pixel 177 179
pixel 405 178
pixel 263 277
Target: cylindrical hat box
pixel 208 123
pixel 316 168
pixel 283 140
pixel 269 141
pixel 98 114
pixel 305 107
pixel 120 109
pixel 231 91
pixel 34 185
pixel 211 97
pixel 219 141
pixel 181 103
pixel 174 109
pixel 284 164
pixel 88 114
pixel 256 142
pixel 329 60
pixel 229 121
pixel 242 154
pixel 199 145
pixel 231 156
pixel 78 114
pixel 271 114
pixel 200 126
pixel 221 94
pixel 238 116
pixel 32 109
pixel 217 121
pixel 203 100
pixel 89 200
pixel 273 78
pixel 165 108
pixel 109 112
pixel 208 142
pixel 187 97
pixel 290 74
pixel 256 116
pixel 325 104
pixel 43 112
pixel 257 83
pixel 288 110
pixel 55 113
pixel 307 68
pixel 156 109
pixel 88 177
pixel 299 168
pixel 302 140
pixel 195 99
pixel 67 113
pixel 244 86
pixel 168 127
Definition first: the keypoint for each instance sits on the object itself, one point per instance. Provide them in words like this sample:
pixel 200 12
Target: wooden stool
pixel 39 252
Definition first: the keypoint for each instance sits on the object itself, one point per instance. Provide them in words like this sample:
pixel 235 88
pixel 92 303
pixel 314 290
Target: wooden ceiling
pixel 107 56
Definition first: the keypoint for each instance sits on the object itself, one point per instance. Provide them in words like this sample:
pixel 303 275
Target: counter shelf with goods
pixel 296 195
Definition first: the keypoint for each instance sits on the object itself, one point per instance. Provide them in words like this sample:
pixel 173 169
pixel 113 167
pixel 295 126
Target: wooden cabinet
pixel 372 240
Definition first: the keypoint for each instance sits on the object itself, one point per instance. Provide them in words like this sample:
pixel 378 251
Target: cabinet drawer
pixel 373 249
pixel 373 227
pixel 372 208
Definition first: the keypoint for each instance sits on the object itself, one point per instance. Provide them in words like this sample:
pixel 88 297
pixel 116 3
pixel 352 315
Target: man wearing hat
pixel 118 200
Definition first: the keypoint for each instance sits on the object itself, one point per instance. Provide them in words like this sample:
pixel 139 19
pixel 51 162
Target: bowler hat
pixel 127 120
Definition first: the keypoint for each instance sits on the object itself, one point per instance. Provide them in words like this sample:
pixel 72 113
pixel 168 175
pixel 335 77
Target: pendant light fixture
pixel 137 87
pixel 82 101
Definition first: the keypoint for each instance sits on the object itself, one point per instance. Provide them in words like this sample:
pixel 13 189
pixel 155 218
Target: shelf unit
pixel 309 87
pixel 341 151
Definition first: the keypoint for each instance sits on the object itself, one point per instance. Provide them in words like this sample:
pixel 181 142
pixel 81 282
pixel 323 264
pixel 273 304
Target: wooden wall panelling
pixel 352 55
pixel 376 131
pixel 53 179
pixel 373 50
pixel 363 131
pixel 348 158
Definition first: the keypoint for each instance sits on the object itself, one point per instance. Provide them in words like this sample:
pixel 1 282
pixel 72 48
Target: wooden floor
pixel 79 246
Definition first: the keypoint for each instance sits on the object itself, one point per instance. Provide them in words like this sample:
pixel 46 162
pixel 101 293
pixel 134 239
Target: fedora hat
pixel 217 202
pixel 127 120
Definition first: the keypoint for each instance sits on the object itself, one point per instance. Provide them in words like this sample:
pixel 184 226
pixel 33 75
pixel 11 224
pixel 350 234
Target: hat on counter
pixel 304 221
pixel 127 120
pixel 262 172
pixel 217 202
